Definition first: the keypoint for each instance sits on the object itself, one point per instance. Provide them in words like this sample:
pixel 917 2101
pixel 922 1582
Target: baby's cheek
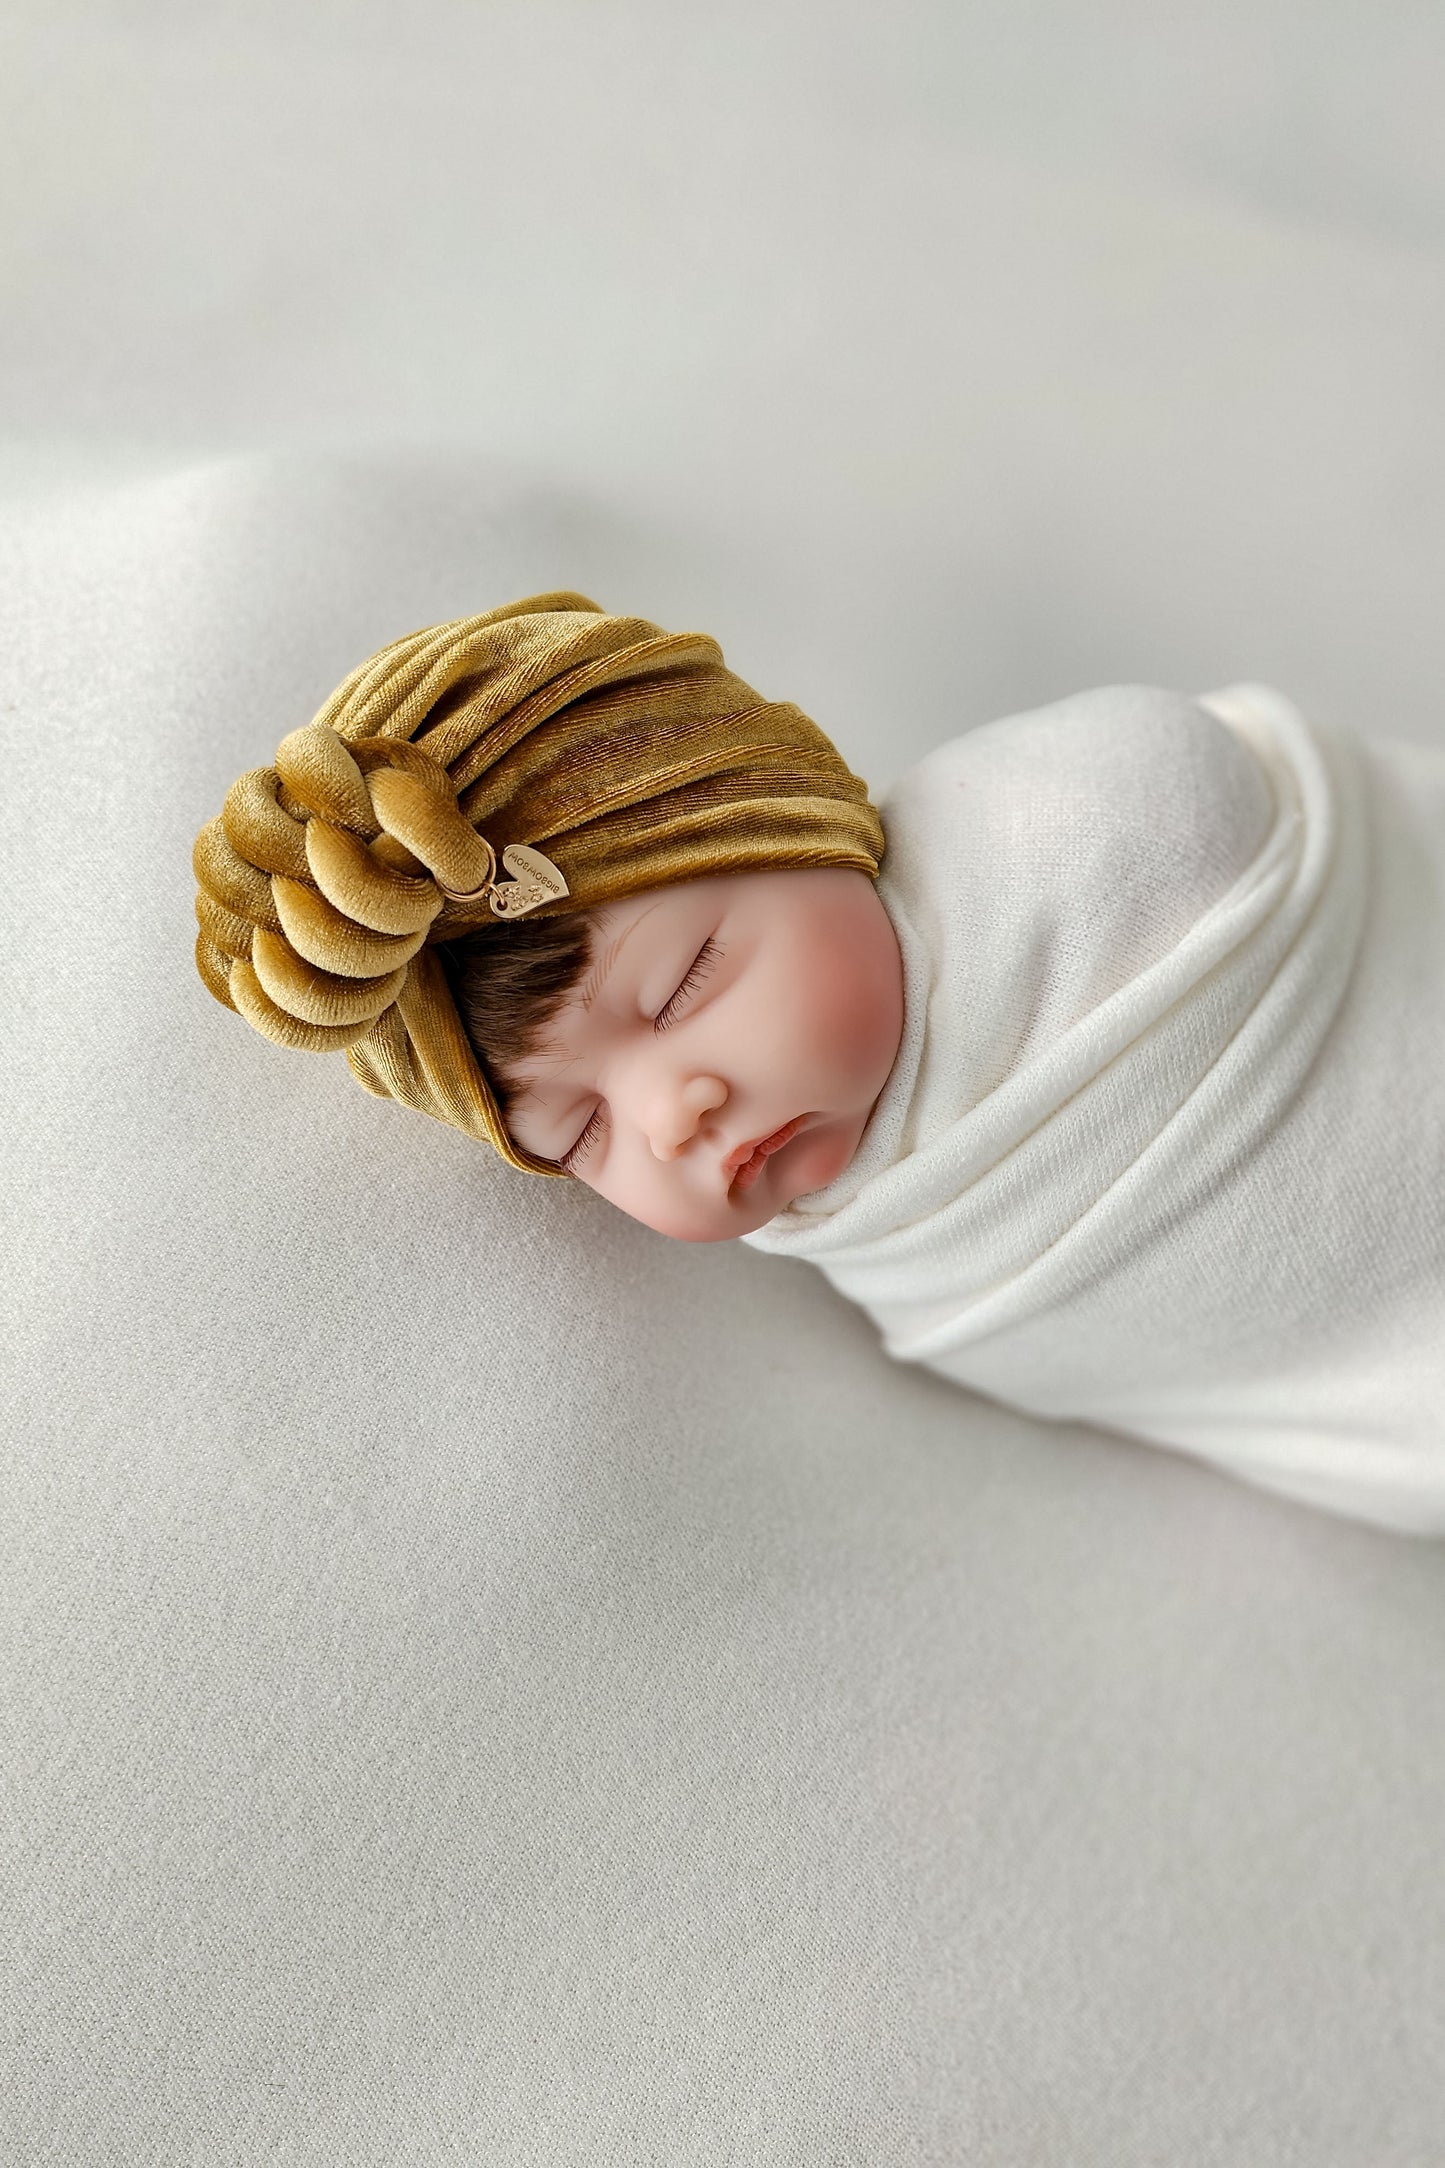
pixel 844 1021
pixel 814 1163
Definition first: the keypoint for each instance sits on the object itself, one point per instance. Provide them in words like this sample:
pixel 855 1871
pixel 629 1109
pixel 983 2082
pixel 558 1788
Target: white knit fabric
pixel 1164 1144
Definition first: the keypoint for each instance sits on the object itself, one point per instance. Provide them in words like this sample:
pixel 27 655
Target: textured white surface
pixel 594 1707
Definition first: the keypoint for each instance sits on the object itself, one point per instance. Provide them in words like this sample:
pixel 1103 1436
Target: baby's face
pixel 723 1052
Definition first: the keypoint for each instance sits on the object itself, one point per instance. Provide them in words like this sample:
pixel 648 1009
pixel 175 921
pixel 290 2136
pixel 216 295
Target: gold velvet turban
pixel 618 756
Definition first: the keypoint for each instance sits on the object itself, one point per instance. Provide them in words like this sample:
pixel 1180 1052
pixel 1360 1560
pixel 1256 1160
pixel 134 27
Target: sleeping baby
pixel 1102 1065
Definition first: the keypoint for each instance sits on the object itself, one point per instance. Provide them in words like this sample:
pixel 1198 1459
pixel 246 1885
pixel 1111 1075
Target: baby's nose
pixel 675 1123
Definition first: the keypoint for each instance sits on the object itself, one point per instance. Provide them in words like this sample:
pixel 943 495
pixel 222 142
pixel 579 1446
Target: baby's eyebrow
pixel 528 1094
pixel 592 983
pixel 547 1057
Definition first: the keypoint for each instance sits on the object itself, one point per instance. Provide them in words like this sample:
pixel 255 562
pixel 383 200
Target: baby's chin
pixel 721 1222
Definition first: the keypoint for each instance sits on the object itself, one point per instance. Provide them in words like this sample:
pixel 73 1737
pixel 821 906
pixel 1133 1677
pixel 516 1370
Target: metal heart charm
pixel 537 881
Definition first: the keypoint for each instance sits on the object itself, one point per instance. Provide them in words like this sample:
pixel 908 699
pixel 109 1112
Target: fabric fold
pixel 1174 1027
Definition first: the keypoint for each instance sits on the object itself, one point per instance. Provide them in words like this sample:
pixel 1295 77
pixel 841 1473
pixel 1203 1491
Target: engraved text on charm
pixel 537 881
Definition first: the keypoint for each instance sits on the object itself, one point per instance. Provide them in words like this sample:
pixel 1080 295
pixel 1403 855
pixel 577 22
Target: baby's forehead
pixel 628 917
pixel 648 913
pixel 671 900
pixel 663 898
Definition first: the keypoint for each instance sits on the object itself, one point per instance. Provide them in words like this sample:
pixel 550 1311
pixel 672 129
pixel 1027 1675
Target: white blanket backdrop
pixel 600 1709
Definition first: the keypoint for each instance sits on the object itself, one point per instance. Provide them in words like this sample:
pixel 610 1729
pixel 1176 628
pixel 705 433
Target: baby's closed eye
pixel 591 1131
pixel 696 971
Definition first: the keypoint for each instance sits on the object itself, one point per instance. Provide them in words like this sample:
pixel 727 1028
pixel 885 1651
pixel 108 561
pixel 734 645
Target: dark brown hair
pixel 508 981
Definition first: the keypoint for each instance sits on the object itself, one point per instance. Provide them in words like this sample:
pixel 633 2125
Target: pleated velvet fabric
pixel 630 756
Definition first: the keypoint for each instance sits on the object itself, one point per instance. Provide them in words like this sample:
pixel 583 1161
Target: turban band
pixel 590 756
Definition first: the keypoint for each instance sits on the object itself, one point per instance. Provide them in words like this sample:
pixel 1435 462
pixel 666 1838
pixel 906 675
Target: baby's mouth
pixel 745 1164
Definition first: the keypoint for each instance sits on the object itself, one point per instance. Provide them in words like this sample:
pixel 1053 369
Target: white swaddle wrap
pixel 1163 1148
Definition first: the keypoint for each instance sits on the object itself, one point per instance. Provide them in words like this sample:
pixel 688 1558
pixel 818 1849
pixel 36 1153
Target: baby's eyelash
pixel 699 968
pixel 590 1133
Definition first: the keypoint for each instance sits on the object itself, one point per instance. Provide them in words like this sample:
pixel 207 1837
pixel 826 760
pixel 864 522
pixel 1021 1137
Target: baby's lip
pixel 743 1165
